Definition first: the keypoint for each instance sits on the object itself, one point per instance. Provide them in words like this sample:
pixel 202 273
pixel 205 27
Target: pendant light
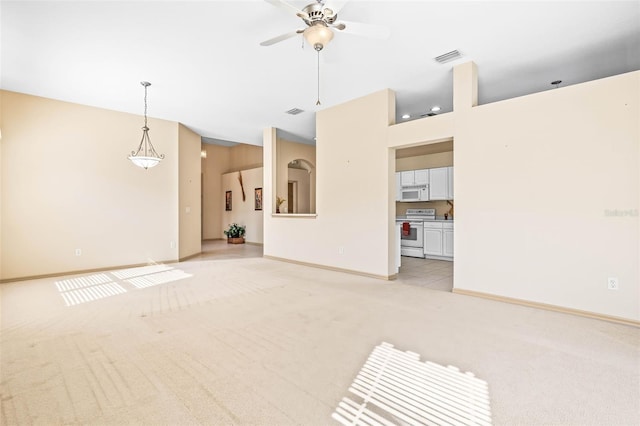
pixel 146 156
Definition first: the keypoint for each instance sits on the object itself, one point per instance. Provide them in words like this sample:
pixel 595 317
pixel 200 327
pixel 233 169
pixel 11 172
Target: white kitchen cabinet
pixel 433 239
pixel 414 177
pixel 438 181
pixel 407 178
pixel 438 240
pixel 421 177
pixel 447 242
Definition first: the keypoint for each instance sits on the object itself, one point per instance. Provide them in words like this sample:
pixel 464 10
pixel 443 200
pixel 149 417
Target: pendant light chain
pixel 318 102
pixel 145 105
pixel 145 129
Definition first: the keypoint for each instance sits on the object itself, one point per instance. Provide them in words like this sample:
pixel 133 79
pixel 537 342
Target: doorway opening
pixel 428 166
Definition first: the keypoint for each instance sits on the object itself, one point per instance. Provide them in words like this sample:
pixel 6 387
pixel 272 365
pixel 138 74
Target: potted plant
pixel 278 202
pixel 235 234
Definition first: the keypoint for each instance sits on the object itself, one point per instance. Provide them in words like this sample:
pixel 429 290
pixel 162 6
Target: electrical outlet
pixel 340 250
pixel 172 244
pixel 612 283
pixel 78 252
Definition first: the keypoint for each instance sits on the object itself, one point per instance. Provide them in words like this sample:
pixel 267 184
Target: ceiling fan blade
pixel 280 38
pixel 366 30
pixel 288 7
pixel 335 5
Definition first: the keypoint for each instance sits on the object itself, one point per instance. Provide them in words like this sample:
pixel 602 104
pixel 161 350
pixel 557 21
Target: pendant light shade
pixel 146 155
pixel 318 35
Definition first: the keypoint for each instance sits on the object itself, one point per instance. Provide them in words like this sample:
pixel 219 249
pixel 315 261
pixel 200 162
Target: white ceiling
pixel 209 72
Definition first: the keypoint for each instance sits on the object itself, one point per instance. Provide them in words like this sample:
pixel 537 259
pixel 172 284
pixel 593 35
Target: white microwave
pixel 415 193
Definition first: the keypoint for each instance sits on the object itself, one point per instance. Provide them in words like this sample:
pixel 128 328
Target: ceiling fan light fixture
pixel 318 35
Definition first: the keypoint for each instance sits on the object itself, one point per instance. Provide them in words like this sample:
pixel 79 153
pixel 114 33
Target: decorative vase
pixel 278 209
pixel 235 240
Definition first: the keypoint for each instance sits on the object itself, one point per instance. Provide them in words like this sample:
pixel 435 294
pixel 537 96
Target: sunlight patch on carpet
pixel 139 271
pixel 81 282
pixel 159 278
pixel 395 388
pixel 75 291
pixel 94 292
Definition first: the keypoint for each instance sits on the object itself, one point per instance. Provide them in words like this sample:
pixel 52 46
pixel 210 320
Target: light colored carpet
pixel 256 341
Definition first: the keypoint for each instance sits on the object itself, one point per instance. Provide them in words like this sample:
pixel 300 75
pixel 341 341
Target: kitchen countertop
pixel 437 219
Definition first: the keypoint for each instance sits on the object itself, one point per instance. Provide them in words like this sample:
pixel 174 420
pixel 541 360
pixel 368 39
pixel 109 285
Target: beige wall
pixel 221 160
pixel 244 157
pixel 441 159
pixel 213 166
pixel 537 178
pixel 1 144
pixel 286 152
pixel 67 184
pixel 243 212
pixel 434 129
pixel 189 197
pixel 546 185
pixel 355 180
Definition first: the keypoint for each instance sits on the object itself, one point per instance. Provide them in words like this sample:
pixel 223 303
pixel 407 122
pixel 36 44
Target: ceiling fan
pixel 321 18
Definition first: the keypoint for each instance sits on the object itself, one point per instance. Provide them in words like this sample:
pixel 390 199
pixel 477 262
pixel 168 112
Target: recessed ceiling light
pixel 406 116
pixel 435 109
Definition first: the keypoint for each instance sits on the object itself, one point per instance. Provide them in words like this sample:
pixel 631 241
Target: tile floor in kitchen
pixel 432 274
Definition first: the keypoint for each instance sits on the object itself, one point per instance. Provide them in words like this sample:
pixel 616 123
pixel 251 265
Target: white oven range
pixel 412 239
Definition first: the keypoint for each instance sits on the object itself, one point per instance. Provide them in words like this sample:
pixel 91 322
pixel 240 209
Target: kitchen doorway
pixel 430 265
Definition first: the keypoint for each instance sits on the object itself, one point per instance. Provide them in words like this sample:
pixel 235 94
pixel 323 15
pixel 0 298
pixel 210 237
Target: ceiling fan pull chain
pixel 318 102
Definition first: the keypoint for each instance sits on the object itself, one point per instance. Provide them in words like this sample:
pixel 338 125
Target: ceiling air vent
pixel 448 57
pixel 294 111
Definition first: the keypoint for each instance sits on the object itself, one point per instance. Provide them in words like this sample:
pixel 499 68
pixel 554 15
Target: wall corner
pixel 465 86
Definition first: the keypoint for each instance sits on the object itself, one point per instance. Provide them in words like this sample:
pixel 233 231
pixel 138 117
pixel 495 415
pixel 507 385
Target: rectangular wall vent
pixel 294 111
pixel 448 57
